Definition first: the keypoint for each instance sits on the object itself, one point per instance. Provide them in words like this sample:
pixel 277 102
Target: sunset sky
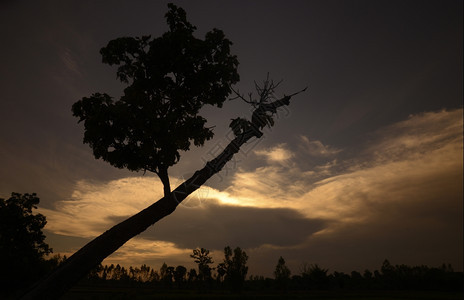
pixel 366 165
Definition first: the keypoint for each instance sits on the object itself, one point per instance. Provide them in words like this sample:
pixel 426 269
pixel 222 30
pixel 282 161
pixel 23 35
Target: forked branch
pixel 264 108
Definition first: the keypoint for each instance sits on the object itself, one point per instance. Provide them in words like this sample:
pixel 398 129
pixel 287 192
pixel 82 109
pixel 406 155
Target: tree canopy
pixel 169 78
pixel 282 272
pixel 21 230
pixel 234 268
pixel 202 257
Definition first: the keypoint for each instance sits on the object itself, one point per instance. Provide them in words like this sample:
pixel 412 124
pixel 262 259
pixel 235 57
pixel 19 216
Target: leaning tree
pixel 169 79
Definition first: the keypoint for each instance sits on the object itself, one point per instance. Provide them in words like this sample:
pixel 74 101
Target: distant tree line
pixel 231 275
pixel 390 277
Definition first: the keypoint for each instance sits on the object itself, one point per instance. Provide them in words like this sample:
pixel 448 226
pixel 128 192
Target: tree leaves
pixel 239 125
pixel 170 78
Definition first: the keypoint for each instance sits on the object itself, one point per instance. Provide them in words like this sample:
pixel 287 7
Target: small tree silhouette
pixel 234 268
pixel 282 274
pixel 180 276
pixel 170 78
pixel 22 242
pixel 314 276
pixel 203 260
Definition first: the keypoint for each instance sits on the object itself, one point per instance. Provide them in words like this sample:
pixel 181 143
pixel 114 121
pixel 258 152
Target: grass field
pixel 100 293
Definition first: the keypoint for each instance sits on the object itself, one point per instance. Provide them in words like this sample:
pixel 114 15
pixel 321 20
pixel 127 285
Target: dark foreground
pixel 100 293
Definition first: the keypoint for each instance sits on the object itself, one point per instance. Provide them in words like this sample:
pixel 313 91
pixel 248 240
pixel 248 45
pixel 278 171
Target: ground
pixel 100 293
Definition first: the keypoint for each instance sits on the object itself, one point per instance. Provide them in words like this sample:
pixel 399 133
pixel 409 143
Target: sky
pixel 366 165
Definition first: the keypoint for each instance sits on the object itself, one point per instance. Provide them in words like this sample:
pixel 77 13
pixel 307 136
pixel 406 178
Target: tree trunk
pixel 80 263
pixel 163 175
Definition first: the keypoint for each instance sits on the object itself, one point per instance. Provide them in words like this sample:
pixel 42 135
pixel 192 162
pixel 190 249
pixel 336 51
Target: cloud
pixel 86 213
pixel 213 225
pixel 138 251
pixel 360 195
pixel 69 62
pixel 278 153
pixel 317 148
pixel 417 163
pixel 399 198
pixel 418 135
pixel 269 186
pixel 206 219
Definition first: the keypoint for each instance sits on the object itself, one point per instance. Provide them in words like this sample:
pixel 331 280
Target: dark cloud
pixel 427 233
pixel 63 243
pixel 215 226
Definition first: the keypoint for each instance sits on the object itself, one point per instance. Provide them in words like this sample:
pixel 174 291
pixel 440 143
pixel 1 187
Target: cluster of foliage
pixel 204 260
pixel 169 78
pixel 22 243
pixel 234 268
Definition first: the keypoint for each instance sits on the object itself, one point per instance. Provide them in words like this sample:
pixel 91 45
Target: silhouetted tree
pixel 234 267
pixel 169 277
pixel 368 278
pixel 192 276
pixel 97 273
pixel 315 277
pixel 166 275
pixel 282 274
pixel 388 274
pixel 179 276
pixel 204 260
pixel 356 280
pixel 169 80
pixel 341 280
pixel 22 242
pixel 142 274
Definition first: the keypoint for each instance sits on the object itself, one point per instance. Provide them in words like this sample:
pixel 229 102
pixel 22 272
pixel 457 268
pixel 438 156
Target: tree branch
pixel 163 175
pixel 239 96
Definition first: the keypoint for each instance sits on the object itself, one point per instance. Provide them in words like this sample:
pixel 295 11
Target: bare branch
pixel 239 96
pixel 303 90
